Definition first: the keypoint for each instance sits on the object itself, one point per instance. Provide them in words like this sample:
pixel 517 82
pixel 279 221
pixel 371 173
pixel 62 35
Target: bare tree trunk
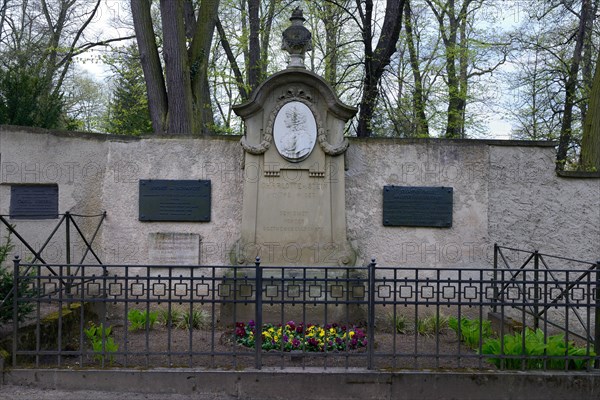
pixel 331 20
pixel 199 52
pixel 254 69
pixel 376 61
pixel 455 122
pixel 3 17
pixel 245 34
pixel 463 63
pixel 239 78
pixel 454 35
pixel 571 89
pixel 587 67
pixel 590 144
pixel 190 19
pixel 534 98
pixel 421 125
pixel 179 91
pixel 150 60
pixel 55 28
pixel 266 38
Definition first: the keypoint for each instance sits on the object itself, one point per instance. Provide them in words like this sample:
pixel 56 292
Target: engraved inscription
pixel 175 200
pixel 295 185
pixel 174 248
pixel 34 201
pixel 417 206
pixel 292 228
pixel 288 190
pixel 297 214
pixel 293 221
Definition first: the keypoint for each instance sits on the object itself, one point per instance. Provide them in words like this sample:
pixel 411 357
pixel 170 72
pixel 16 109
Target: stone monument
pixel 293 196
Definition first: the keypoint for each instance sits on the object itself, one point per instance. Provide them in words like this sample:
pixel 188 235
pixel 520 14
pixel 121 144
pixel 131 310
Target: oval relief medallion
pixel 295 131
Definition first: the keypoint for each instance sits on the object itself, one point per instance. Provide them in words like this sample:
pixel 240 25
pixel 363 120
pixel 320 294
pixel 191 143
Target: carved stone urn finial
pixel 297 40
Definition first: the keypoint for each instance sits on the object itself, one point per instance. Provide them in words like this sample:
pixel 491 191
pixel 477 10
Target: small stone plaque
pixel 174 248
pixel 34 201
pixel 417 206
pixel 175 200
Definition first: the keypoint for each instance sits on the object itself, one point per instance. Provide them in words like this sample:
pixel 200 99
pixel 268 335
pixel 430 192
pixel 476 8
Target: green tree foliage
pixel 573 82
pixel 533 108
pixel 376 56
pixel 85 101
pixel 554 60
pixel 414 68
pixel 27 100
pixel 128 112
pixel 39 43
pixel 244 55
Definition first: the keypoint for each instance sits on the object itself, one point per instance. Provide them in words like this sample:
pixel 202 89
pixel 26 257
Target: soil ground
pixel 215 347
pixel 212 348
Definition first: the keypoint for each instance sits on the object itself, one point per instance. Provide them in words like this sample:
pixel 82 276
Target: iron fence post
pixel 597 317
pixel 536 311
pixel 258 315
pixel 68 253
pixel 15 295
pixel 68 237
pixel 371 315
pixel 495 280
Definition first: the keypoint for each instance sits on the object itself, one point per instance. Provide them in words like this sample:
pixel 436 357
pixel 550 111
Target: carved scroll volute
pixel 332 150
pixel 261 148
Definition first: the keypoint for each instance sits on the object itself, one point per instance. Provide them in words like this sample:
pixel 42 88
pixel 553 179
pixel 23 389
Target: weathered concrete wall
pixel 38 157
pixel 372 164
pixel 218 160
pixel 332 384
pixel 530 207
pixel 100 172
pixel 505 192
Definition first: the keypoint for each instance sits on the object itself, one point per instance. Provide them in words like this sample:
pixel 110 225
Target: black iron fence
pixel 373 317
pixel 72 233
pixel 556 283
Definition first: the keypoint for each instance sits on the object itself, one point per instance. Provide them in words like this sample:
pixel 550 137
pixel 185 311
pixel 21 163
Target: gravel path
pixel 10 392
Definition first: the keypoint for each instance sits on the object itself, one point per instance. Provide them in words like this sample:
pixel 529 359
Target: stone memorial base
pixel 316 296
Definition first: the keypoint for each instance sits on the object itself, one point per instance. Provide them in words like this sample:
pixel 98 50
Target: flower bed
pixel 292 336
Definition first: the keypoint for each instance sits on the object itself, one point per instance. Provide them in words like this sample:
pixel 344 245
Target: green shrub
pixel 102 342
pixel 400 324
pixel 6 285
pixel 184 319
pixel 168 317
pixel 472 331
pixel 432 324
pixel 196 319
pixel 537 349
pixel 138 319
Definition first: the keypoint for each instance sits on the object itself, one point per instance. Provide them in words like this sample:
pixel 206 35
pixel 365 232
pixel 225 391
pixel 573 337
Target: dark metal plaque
pixel 34 201
pixel 417 206
pixel 175 200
